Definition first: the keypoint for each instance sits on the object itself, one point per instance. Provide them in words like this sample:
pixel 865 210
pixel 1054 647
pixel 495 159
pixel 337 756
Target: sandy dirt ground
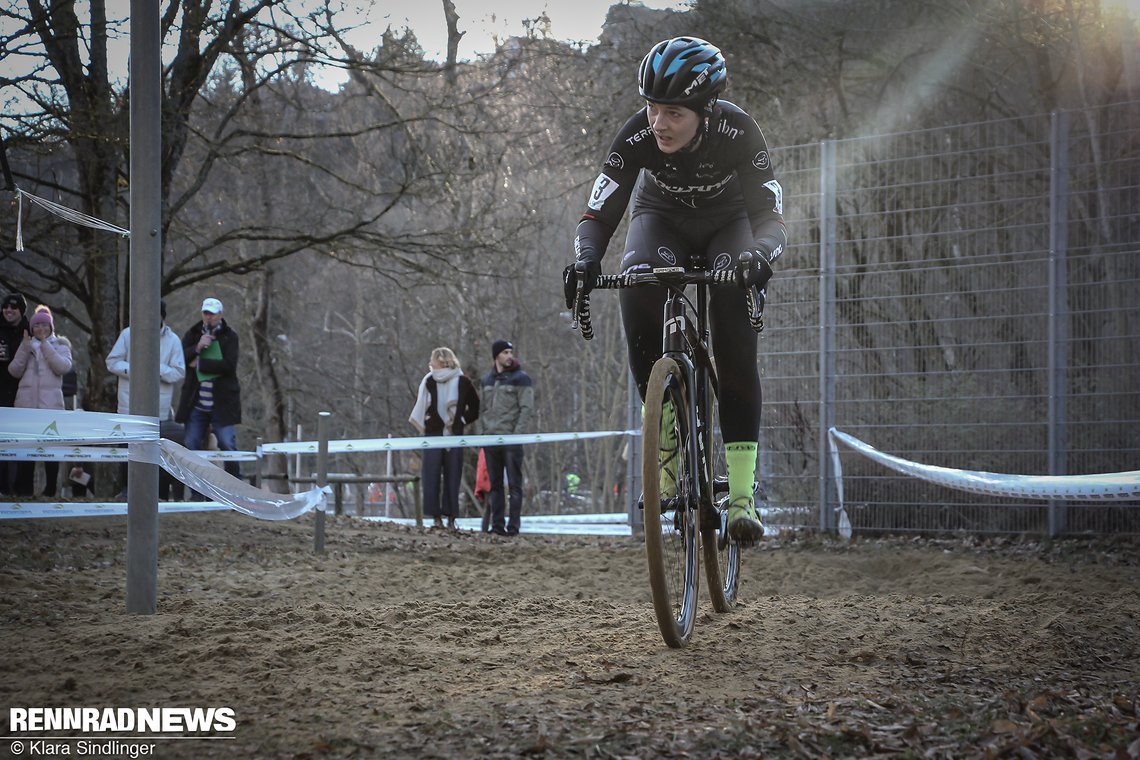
pixel 404 642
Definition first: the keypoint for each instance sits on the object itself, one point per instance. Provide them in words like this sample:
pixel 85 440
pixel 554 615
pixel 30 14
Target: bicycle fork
pixel 676 340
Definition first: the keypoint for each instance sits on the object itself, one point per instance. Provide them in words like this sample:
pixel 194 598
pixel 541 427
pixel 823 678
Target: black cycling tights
pixel 655 240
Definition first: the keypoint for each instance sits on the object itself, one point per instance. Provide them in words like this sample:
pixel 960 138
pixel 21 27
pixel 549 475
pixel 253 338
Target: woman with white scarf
pixel 447 401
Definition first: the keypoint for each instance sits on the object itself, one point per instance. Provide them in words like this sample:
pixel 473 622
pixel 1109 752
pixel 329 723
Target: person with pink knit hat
pixel 40 363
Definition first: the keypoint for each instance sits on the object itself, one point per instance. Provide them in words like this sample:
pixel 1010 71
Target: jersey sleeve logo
pixel 761 161
pixel 778 192
pixel 604 187
pixel 615 161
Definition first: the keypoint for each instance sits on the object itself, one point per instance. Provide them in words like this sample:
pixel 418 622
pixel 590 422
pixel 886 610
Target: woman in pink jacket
pixel 40 363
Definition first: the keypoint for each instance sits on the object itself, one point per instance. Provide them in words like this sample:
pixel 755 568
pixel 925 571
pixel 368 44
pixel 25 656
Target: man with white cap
pixel 211 394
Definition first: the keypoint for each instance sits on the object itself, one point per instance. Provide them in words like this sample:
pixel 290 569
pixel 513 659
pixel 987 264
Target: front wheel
pixel 670 510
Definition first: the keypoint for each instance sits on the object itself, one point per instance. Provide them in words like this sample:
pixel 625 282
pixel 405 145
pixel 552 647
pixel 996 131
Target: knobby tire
pixel 721 557
pixel 671 544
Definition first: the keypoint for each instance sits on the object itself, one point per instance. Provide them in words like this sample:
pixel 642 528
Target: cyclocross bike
pixel 681 415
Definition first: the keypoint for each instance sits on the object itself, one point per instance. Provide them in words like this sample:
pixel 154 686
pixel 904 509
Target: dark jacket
pixel 11 336
pixel 466 410
pixel 227 390
pixel 508 402
pixel 730 170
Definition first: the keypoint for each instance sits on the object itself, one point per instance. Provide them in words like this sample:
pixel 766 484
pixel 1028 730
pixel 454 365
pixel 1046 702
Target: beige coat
pixel 41 372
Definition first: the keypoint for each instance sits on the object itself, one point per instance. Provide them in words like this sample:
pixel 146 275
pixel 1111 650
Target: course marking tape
pixel 435 442
pixel 1113 486
pixel 55 427
pixel 70 452
pixel 37 509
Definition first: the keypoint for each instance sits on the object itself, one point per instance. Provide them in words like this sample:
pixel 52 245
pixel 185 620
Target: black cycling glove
pixel 753 269
pixel 570 280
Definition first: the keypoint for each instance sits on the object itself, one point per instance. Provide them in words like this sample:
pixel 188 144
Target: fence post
pixel 145 276
pixel 297 458
pixel 633 460
pixel 322 477
pixel 827 211
pixel 1058 308
pixel 419 499
pixel 388 486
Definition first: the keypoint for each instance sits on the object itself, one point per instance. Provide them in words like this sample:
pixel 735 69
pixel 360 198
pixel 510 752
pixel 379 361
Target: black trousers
pixel 26 476
pixel 714 241
pixel 445 465
pixel 508 459
pixel 7 477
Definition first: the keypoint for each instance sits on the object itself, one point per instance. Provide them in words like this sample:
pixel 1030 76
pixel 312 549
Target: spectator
pixel 171 369
pixel 508 403
pixel 573 482
pixel 446 403
pixel 171 366
pixel 482 488
pixel 13 327
pixel 40 363
pixel 169 487
pixel 211 395
pixel 82 483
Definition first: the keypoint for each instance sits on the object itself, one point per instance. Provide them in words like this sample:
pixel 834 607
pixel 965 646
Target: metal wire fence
pixel 963 296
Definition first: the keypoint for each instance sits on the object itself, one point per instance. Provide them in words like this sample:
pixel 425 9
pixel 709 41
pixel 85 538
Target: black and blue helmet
pixel 683 71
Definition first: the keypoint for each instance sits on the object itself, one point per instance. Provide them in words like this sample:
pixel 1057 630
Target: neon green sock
pixel 667 456
pixel 741 460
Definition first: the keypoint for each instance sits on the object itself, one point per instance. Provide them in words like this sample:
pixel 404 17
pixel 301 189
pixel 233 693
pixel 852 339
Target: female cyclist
pixel 703 190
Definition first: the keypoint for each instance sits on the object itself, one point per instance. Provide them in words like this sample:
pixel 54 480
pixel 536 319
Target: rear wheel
pixel 670 519
pixel 722 557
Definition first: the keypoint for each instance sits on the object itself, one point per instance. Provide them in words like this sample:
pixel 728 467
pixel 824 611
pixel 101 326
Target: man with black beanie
pixel 505 409
pixel 13 327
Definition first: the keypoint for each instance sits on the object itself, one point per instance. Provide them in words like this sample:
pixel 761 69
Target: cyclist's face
pixel 673 126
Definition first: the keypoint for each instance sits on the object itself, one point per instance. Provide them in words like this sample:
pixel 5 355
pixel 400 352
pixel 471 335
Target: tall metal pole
pixel 146 276
pixel 322 477
pixel 1058 309
pixel 827 234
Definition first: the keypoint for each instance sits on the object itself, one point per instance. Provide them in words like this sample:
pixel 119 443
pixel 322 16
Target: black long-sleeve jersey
pixel 730 169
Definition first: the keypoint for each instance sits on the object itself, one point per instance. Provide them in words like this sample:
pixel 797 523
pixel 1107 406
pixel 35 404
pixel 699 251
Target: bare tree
pixel 68 97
